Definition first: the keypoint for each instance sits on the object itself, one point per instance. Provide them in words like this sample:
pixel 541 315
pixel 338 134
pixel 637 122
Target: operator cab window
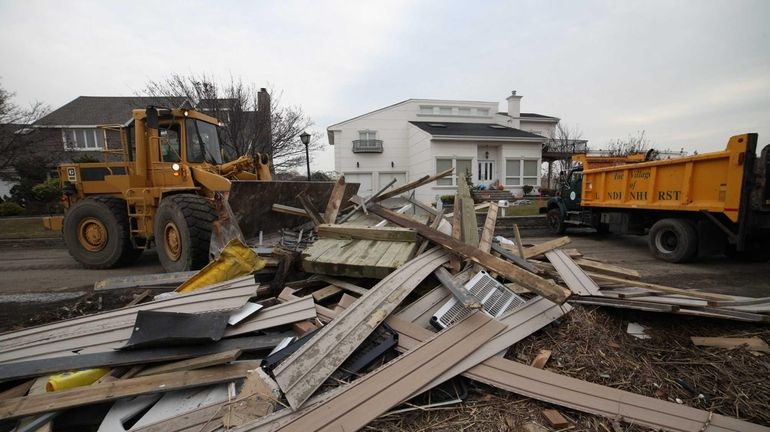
pixel 170 148
pixel 202 142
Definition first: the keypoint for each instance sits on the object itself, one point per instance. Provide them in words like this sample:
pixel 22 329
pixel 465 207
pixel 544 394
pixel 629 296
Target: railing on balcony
pixel 367 146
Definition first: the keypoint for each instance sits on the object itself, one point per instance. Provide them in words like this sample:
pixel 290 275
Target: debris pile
pixel 378 314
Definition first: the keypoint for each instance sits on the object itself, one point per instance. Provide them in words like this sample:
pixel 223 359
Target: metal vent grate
pixel 495 300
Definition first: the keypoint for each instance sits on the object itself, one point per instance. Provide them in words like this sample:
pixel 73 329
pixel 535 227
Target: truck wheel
pixel 673 240
pixel 183 232
pixel 556 221
pixel 97 234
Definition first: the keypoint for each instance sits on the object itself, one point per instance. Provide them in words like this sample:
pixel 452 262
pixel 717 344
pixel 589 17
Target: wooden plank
pixel 458 290
pixel 572 275
pixel 488 232
pixel 541 359
pixel 539 249
pixel 752 343
pixel 506 269
pixel 437 220
pixel 372 395
pixel 136 281
pixel 310 209
pixel 469 222
pixel 519 244
pixel 413 185
pixel 608 269
pixel 662 288
pixel 335 201
pixel 193 363
pixel 481 206
pixel 339 283
pixel 310 366
pixel 366 233
pixel 294 211
pixel 324 293
pixel 281 314
pixel 457 231
pixel 17 390
pixel 555 419
pixel 37 404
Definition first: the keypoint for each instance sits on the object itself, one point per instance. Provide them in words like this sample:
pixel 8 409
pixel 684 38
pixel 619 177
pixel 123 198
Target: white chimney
pixel 514 110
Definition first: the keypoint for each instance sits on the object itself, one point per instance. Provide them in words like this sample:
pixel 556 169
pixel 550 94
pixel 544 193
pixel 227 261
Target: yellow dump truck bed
pixel 711 182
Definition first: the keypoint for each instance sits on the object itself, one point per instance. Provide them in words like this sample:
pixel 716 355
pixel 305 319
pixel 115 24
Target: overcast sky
pixel 689 73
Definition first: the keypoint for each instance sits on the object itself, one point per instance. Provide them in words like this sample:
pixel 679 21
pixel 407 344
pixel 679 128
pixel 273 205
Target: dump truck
pixel 691 207
pixel 159 189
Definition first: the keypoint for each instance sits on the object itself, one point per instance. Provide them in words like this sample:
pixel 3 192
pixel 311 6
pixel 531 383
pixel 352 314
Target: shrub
pixel 527 189
pixel 10 208
pixel 448 199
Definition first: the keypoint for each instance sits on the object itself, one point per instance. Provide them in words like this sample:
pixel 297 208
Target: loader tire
pixel 97 233
pixel 673 240
pixel 183 232
pixel 555 221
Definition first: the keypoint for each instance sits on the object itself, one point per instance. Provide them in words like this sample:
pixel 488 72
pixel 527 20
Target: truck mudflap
pixel 252 202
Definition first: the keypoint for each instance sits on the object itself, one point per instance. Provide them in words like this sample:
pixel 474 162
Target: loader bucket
pixel 252 203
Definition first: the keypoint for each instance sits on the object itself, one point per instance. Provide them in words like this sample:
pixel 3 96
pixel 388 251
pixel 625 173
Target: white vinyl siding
pixel 461 168
pixel 83 139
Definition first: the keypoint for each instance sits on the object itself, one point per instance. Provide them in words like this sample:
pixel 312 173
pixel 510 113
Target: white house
pixel 416 137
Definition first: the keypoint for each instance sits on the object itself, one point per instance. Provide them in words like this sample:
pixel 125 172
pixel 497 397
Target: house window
pixel 520 172
pixel 83 139
pixel 367 135
pixel 462 167
pixel 367 142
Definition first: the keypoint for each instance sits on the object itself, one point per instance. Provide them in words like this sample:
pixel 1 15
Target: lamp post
pixel 305 138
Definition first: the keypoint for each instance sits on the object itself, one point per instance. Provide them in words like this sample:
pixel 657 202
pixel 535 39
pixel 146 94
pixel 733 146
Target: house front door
pixel 486 172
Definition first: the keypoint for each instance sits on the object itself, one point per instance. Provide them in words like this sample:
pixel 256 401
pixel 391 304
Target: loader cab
pixel 184 136
pixel 571 186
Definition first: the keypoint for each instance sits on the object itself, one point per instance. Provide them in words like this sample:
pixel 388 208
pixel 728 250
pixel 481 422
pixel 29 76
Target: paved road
pixel 51 269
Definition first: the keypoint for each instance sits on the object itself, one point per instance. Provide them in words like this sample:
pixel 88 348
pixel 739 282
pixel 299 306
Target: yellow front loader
pixel 158 190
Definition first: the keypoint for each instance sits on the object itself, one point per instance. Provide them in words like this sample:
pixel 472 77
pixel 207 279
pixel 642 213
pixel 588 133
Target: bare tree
pixel 243 110
pixel 634 144
pixel 16 132
pixel 562 144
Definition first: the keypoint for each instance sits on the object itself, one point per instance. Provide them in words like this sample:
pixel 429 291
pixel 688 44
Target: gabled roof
pixel 99 110
pixel 491 130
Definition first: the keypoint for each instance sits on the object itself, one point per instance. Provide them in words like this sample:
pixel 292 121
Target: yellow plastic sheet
pixel 235 260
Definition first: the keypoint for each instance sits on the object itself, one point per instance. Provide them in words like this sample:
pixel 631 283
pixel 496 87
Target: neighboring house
pixel 418 137
pixel 72 131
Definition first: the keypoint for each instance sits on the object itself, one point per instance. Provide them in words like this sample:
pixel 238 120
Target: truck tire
pixel 673 240
pixel 183 232
pixel 555 221
pixel 97 233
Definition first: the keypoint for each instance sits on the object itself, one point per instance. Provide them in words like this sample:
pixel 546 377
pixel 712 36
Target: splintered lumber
pixel 294 211
pixel 302 373
pixel 17 390
pixel 64 399
pixel 366 233
pixel 468 214
pixel 506 269
pixel 437 220
pixel 485 244
pixel 143 281
pixel 458 290
pixel 372 395
pixel 752 343
pixel 539 249
pixel 519 244
pixel 663 289
pixel 335 201
pixel 584 396
pixel 257 398
pixel 609 269
pixel 413 185
pixel 573 276
pixel 541 359
pixel 457 232
pixel 310 209
pixel 347 286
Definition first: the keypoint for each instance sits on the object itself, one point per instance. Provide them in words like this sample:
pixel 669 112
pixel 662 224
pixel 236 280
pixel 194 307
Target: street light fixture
pixel 305 138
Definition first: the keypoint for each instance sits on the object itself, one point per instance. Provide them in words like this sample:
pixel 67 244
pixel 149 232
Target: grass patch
pixel 23 228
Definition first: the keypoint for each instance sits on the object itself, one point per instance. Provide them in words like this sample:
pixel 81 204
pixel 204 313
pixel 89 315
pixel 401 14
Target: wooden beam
pixel 662 288
pixel 310 209
pixel 193 363
pixel 294 211
pixel 454 261
pixel 519 244
pixel 324 293
pixel 437 220
pixel 335 201
pixel 413 185
pixel 458 290
pixel 539 249
pixel 366 233
pixel 609 269
pixel 347 286
pixel 485 244
pixel 79 396
pixel 506 269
